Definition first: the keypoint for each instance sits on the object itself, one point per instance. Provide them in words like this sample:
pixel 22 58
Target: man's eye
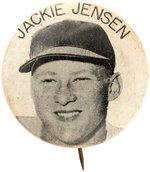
pixel 81 79
pixel 48 80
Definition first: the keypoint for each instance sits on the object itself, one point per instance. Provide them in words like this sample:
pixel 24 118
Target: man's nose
pixel 64 95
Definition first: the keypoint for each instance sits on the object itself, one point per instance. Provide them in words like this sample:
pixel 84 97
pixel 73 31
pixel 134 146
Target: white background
pixel 20 151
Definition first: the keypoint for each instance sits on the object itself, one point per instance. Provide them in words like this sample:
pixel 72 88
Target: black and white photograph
pixel 74 75
pixel 72 80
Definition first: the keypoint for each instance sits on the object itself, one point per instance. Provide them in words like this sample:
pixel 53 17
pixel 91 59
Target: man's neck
pixel 99 136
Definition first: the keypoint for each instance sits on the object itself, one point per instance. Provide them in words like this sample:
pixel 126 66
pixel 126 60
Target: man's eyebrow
pixel 78 72
pixel 46 72
pixel 91 72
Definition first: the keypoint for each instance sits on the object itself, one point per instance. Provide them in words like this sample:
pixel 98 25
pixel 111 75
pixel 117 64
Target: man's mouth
pixel 67 115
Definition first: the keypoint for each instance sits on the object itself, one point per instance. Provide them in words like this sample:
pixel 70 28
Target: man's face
pixel 70 99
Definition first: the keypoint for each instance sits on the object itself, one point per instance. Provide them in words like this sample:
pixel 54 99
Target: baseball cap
pixel 70 40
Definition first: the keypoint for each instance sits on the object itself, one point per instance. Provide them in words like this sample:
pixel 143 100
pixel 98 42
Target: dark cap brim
pixel 28 66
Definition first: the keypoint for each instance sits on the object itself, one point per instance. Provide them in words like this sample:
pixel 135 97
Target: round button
pixel 75 74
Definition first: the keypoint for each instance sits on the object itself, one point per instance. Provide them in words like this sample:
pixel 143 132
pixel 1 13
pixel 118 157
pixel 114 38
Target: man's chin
pixel 71 140
pixel 62 136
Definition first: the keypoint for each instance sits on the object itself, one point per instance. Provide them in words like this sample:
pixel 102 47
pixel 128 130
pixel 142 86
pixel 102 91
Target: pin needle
pixel 81 157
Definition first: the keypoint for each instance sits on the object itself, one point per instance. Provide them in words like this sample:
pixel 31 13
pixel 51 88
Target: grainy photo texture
pixel 79 74
pixel 72 81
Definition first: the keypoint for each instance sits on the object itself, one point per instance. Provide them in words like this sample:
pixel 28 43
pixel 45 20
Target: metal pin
pixel 81 157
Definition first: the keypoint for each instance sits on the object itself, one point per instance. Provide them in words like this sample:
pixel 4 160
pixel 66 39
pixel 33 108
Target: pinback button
pixel 79 74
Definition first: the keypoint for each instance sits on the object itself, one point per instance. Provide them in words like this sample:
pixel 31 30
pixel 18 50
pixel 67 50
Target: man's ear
pixel 115 86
